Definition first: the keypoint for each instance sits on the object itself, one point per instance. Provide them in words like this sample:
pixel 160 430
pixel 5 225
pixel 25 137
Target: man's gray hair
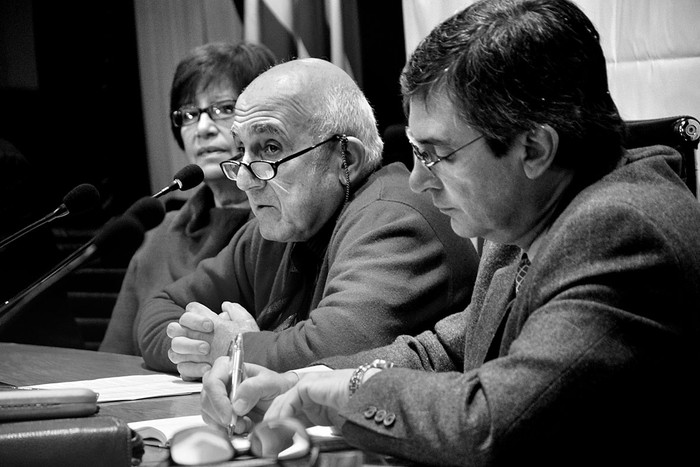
pixel 344 109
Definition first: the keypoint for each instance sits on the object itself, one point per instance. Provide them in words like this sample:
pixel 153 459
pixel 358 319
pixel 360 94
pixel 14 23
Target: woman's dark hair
pixel 512 65
pixel 216 63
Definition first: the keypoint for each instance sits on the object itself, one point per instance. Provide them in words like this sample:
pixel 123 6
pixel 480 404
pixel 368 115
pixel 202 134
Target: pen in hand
pixel 237 374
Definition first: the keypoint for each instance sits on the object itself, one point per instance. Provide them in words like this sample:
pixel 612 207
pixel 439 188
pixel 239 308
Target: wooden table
pixel 24 365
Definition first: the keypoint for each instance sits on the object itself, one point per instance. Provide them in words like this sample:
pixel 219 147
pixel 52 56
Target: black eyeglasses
pixel 430 159
pixel 190 114
pixel 267 170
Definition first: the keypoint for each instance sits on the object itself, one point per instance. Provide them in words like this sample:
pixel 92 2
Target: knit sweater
pixel 196 231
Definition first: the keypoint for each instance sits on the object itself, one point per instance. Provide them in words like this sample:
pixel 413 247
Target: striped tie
pixel 522 270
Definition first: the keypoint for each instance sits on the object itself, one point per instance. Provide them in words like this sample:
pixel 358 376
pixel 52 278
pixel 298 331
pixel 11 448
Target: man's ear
pixel 541 146
pixel 355 158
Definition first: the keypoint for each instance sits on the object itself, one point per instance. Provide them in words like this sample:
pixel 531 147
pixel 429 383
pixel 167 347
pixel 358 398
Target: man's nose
pixel 421 178
pixel 245 180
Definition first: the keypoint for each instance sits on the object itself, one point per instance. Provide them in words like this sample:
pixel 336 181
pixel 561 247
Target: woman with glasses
pixel 205 87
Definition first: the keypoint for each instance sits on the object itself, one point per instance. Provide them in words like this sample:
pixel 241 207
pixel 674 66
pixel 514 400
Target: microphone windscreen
pixel 82 198
pixel 189 176
pixel 149 212
pixel 119 238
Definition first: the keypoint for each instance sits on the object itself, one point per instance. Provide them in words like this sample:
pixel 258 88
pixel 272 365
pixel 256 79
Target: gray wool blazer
pixel 597 355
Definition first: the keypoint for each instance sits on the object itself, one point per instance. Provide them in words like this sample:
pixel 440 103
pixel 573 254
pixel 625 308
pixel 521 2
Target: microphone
pixel 147 211
pixel 188 177
pixel 80 199
pixel 120 236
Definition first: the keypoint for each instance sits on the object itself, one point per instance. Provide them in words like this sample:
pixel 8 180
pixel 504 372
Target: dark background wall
pixel 382 55
pixel 70 99
pixel 78 117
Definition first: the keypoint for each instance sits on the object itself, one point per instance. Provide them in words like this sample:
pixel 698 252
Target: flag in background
pixel 327 29
pixel 366 39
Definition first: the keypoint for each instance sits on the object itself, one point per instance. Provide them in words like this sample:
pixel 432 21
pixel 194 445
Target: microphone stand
pixel 59 212
pixel 143 215
pixel 10 308
pixel 107 238
pixel 174 185
pixel 79 199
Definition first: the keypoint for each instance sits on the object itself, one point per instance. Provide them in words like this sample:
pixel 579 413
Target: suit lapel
pixel 500 293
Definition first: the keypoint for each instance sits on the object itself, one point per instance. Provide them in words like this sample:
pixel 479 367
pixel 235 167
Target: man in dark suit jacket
pixel 590 358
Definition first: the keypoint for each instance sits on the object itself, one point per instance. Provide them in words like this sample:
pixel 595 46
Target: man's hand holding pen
pixel 251 399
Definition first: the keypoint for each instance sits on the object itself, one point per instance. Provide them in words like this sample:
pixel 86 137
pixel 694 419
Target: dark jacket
pixel 596 360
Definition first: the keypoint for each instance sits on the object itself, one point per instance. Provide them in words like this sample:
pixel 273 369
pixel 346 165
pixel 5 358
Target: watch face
pixel 358 376
pixel 381 364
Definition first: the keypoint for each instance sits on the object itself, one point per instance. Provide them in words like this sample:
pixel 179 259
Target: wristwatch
pixel 359 373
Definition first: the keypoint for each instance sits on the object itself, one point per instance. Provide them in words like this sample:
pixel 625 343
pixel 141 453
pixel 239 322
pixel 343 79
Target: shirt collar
pixel 536 245
pixel 314 249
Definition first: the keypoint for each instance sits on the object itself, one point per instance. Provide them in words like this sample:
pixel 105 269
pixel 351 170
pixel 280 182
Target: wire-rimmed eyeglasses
pixel 267 170
pixel 430 159
pixel 188 115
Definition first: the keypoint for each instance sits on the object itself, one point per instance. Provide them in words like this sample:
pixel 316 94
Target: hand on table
pixel 200 336
pixel 253 397
pixel 314 398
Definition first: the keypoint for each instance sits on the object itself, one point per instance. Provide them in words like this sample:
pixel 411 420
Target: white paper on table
pixel 128 388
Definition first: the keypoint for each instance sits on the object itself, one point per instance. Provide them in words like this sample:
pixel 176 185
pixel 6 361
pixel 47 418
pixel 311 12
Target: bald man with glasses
pixel 341 256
